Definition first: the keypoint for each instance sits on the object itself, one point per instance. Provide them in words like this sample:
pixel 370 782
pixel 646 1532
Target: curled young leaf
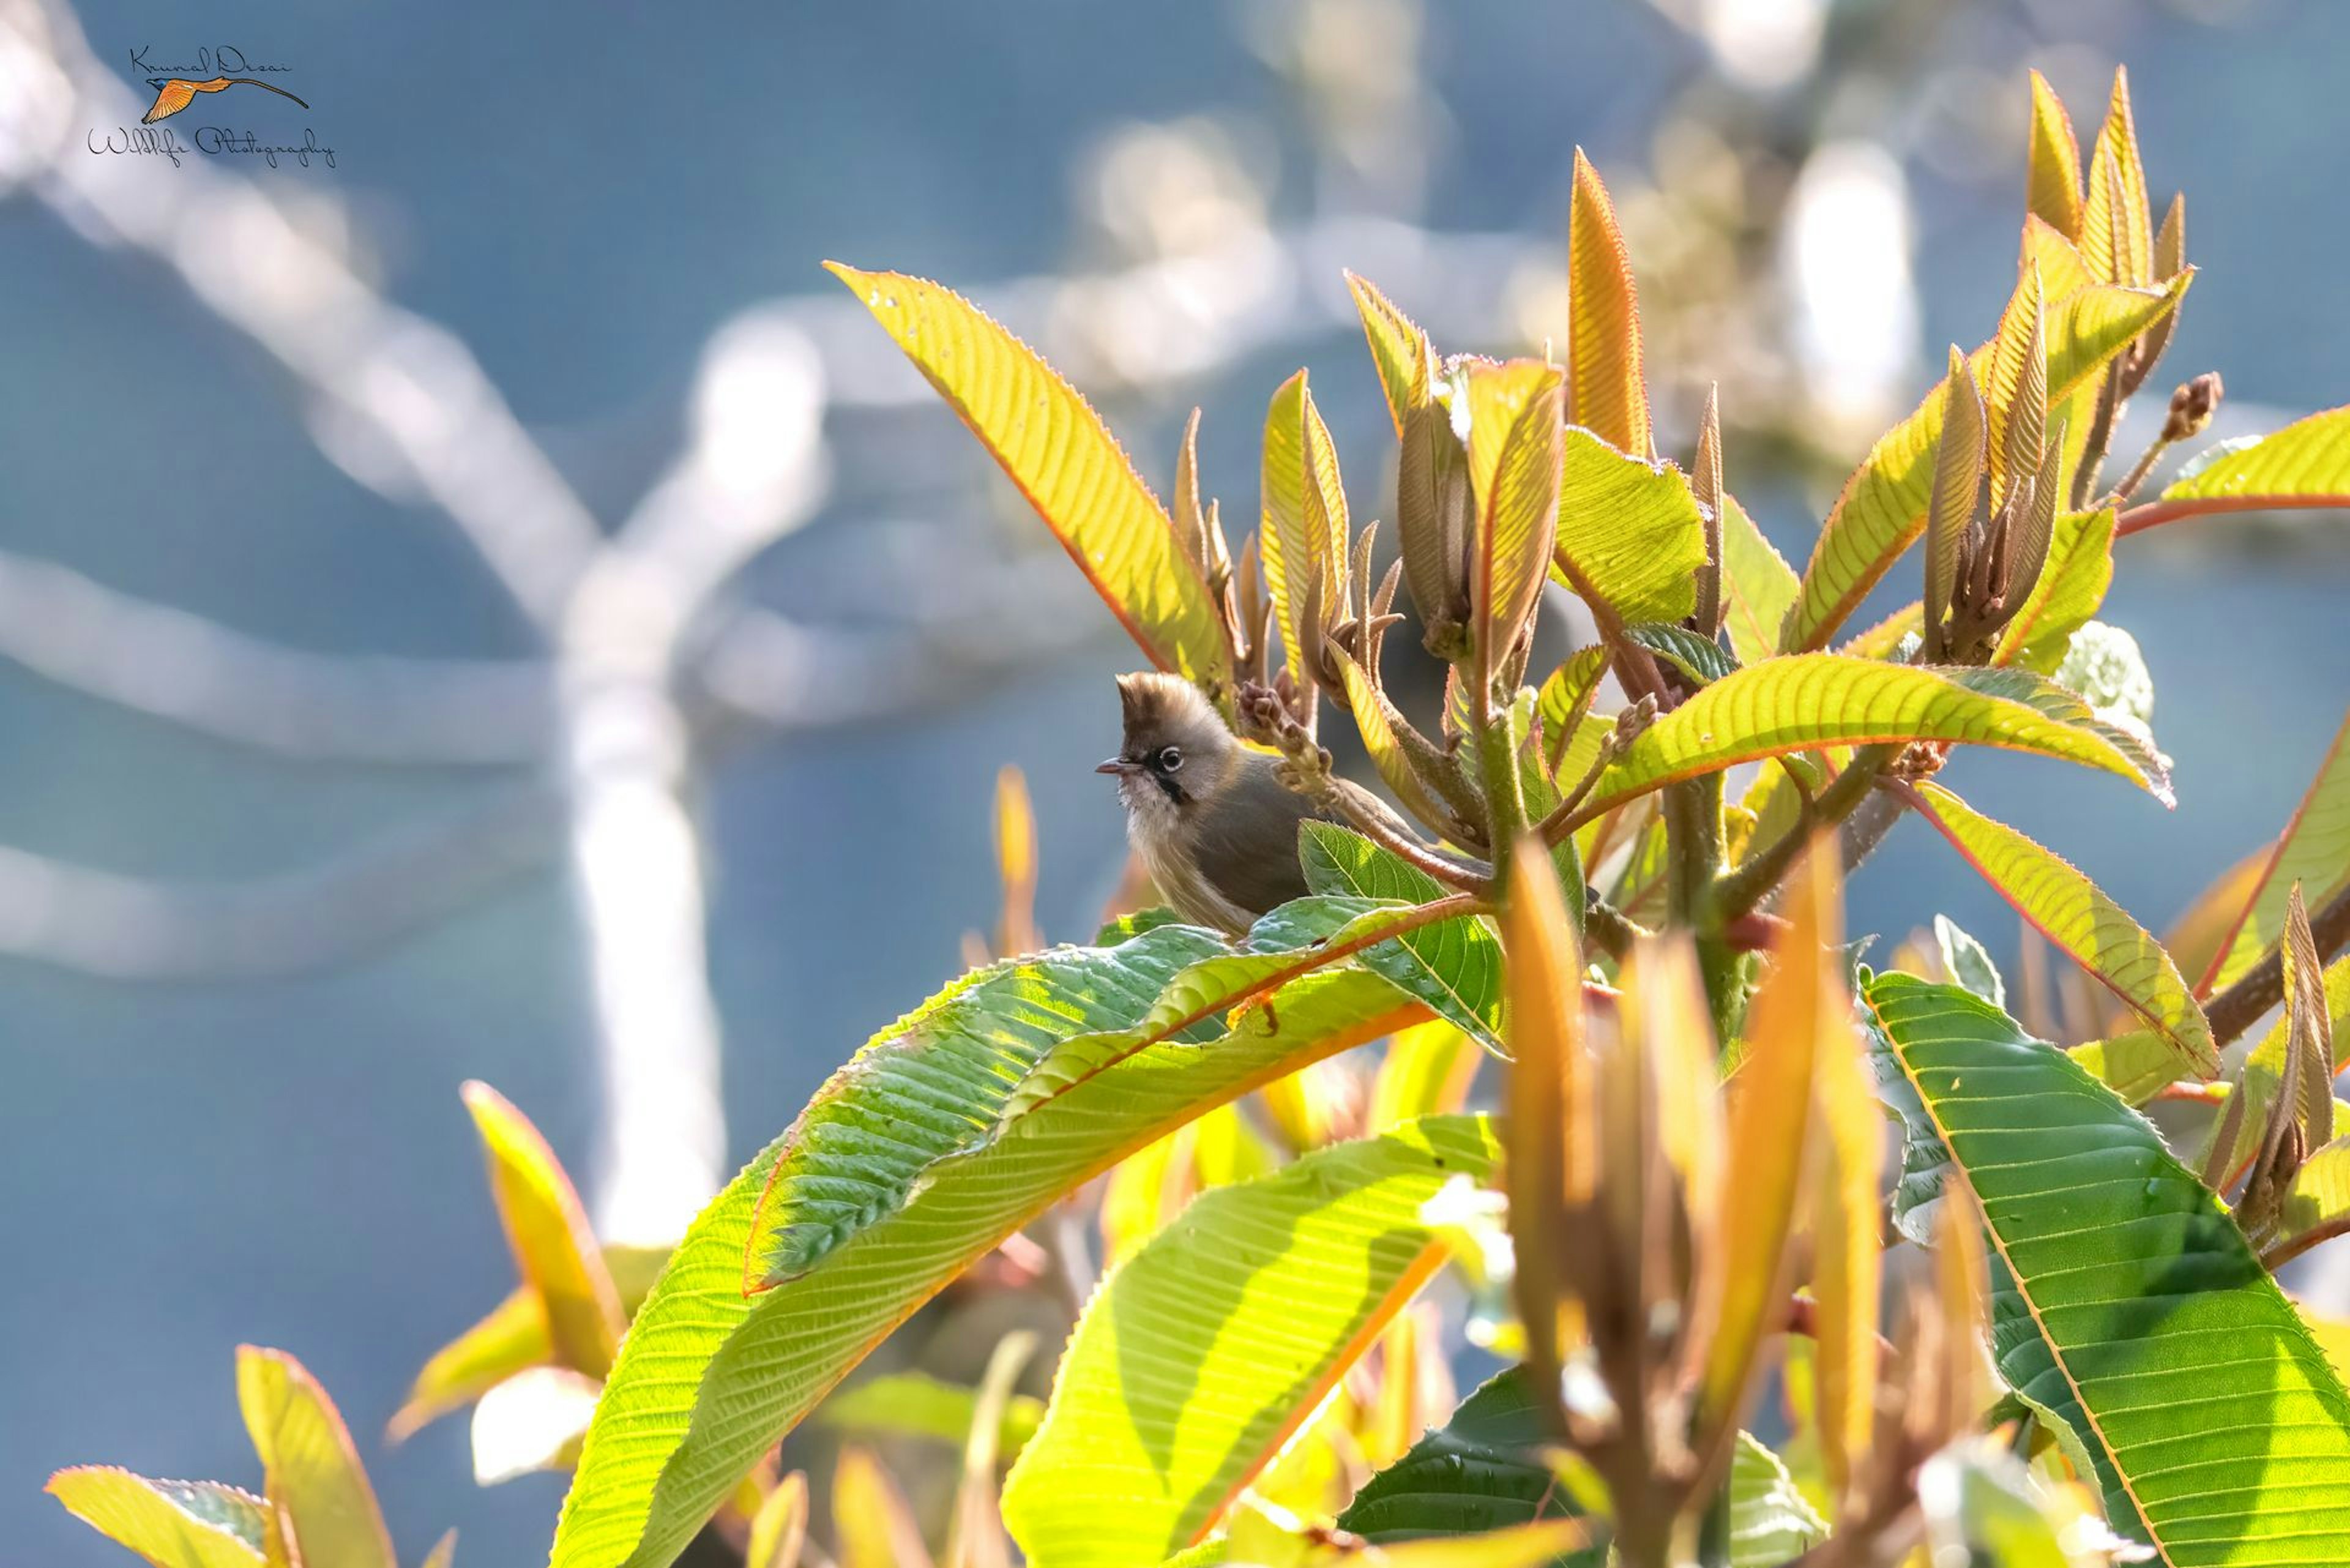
pixel 1958 481
pixel 546 1227
pixel 1608 388
pixel 1398 348
pixel 2117 222
pixel 1516 439
pixel 2055 188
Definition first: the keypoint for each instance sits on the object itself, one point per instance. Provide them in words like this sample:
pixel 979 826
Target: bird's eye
pixel 1169 759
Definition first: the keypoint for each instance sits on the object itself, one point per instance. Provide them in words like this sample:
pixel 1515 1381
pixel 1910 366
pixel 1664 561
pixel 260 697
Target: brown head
pixel 1176 750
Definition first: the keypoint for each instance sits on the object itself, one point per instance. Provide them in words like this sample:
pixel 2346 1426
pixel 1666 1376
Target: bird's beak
pixel 1115 765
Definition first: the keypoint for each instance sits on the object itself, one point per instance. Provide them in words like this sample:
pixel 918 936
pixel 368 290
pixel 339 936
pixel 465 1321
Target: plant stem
pixel 2101 436
pixel 1693 862
pixel 1741 890
pixel 2261 987
pixel 2155 514
pixel 1505 801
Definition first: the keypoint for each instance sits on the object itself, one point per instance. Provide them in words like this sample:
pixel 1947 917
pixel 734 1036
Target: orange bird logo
pixel 174 94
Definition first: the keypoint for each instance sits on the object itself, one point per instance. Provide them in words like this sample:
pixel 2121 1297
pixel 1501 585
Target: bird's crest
pixel 1153 701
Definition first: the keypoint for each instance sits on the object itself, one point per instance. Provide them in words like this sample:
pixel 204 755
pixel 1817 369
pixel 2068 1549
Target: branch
pixel 2261 987
pixel 1757 878
pixel 181 668
pixel 126 928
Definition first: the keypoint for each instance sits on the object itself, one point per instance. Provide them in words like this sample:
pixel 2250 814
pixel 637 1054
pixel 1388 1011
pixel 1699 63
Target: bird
pixel 1215 826
pixel 174 94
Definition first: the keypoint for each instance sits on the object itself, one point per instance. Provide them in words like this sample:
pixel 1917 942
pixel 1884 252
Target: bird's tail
pixel 257 81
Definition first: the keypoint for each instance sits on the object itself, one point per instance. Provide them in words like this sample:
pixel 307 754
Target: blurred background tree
pixel 492 608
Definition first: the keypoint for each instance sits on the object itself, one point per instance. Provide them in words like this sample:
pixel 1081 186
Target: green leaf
pixel 1769 1520
pixel 1201 1354
pixel 2308 459
pixel 1222 990
pixel 1065 462
pixel 1698 657
pixel 2124 1297
pixel 1630 536
pixel 1481 1470
pixel 1454 967
pixel 1883 507
pixel 711 1376
pixel 315 1478
pixel 2104 665
pixel 1563 703
pixel 2075 914
pixel 1801 701
pixel 172 1525
pixel 1969 961
pixel 1758 587
pixel 2313 849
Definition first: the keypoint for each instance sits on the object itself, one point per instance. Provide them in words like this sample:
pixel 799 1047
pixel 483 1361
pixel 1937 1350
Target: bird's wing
pixel 170 98
pixel 1246 840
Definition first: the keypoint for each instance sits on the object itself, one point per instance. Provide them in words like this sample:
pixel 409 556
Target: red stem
pixel 2155 514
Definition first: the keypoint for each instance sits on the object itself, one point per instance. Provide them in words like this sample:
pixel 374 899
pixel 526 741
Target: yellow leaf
pixel 1847 1251
pixel 2016 391
pixel 513 1337
pixel 1552 1167
pixel 1065 462
pixel 1757 586
pixel 1882 508
pixel 1016 859
pixel 443 1552
pixel 172 1525
pixel 547 1229
pixel 2313 848
pixel 2075 914
pixel 314 1476
pixel 2055 162
pixel 1328 538
pixel 976 1540
pixel 1286 544
pixel 1514 447
pixel 1427 1071
pixel 533 1421
pixel 2057 260
pixel 1797 1011
pixel 1630 536
pixel 1398 348
pixel 2118 221
pixel 1377 722
pixel 1608 390
pixel 779 1530
pixel 1518 1546
pixel 875 1525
